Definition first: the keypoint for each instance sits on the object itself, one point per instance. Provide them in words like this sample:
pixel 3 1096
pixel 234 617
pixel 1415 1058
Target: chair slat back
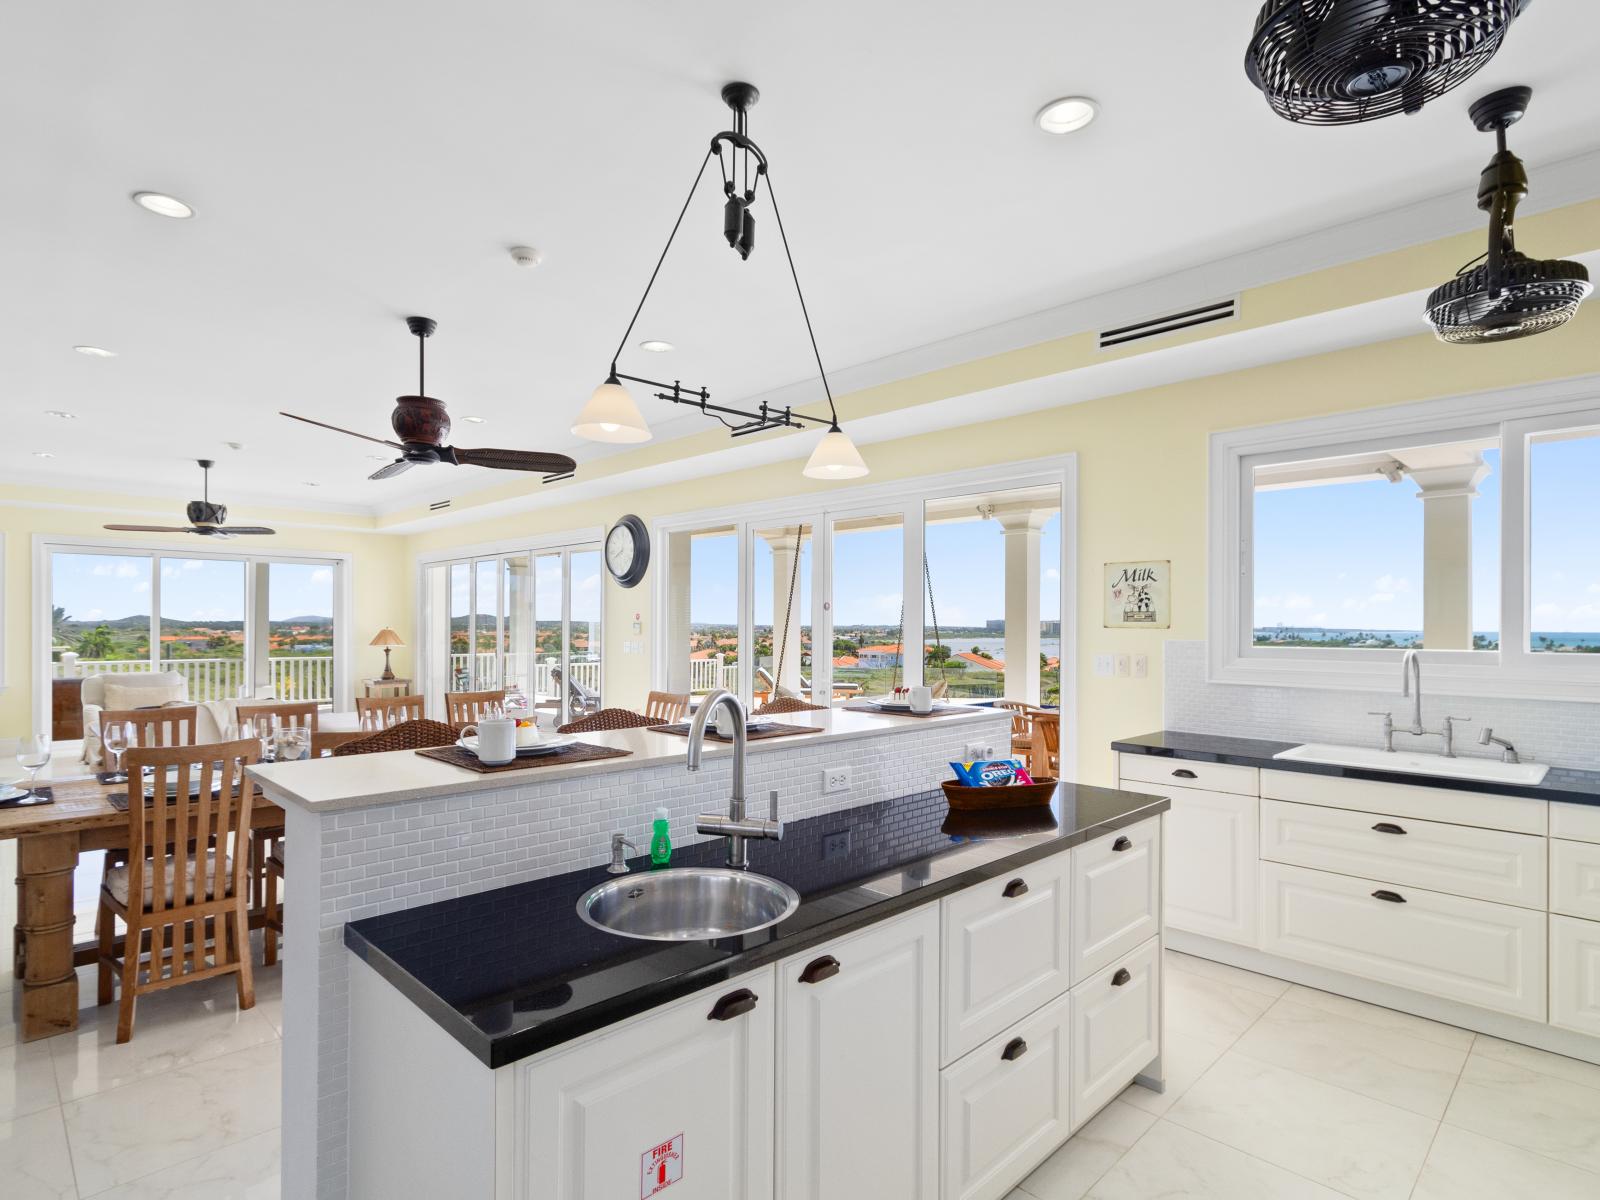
pixel 466 708
pixel 172 726
pixel 200 800
pixel 297 714
pixel 1048 727
pixel 666 707
pixel 380 712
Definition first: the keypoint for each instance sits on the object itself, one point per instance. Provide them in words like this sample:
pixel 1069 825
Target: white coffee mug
pixel 496 740
pixel 921 699
pixel 726 726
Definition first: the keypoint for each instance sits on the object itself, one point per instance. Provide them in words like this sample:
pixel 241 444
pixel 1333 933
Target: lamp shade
pixel 835 457
pixel 611 416
pixel 386 637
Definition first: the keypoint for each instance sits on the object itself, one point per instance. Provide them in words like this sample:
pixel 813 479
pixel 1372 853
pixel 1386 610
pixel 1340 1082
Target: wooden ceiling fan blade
pixel 249 529
pixel 150 528
pixel 338 429
pixel 514 460
pixel 393 469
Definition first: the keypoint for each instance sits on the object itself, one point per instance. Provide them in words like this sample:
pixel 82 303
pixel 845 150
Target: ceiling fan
pixel 421 424
pixel 205 518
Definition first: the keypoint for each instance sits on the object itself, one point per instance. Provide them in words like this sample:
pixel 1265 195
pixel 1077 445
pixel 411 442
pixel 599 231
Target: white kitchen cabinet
pixel 1006 950
pixel 683 1093
pixel 1490 955
pixel 1116 1029
pixel 1210 870
pixel 1462 860
pixel 1575 879
pixel 1136 769
pixel 858 1055
pixel 1005 1106
pixel 1575 822
pixel 1575 974
pixel 1116 895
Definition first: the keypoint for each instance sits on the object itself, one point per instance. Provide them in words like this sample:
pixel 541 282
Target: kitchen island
pixel 373 834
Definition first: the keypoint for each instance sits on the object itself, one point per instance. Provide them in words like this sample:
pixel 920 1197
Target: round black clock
pixel 628 551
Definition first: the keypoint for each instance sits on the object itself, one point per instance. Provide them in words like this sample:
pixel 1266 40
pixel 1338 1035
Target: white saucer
pixel 11 792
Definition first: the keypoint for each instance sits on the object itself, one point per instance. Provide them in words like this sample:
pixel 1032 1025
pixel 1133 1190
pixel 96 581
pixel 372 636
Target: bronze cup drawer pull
pixel 1014 1050
pixel 1121 844
pixel 1017 887
pixel 1391 897
pixel 734 1004
pixel 1387 827
pixel 1122 976
pixel 1184 773
pixel 819 969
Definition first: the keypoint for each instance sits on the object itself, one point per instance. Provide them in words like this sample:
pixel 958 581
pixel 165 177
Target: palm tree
pixel 96 643
pixel 58 621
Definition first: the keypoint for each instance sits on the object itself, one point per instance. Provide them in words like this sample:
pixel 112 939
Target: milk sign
pixel 1138 595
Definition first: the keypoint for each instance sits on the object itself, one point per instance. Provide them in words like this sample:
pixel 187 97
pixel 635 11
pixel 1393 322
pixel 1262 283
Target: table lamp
pixel 388 639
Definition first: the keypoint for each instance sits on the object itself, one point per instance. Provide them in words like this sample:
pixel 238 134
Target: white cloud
pixel 1595 587
pixel 1296 600
pixel 1547 610
pixel 117 569
pixel 142 586
pixel 94 614
pixel 192 564
pixel 322 575
pixel 1320 618
pixel 1391 583
pixel 1052 573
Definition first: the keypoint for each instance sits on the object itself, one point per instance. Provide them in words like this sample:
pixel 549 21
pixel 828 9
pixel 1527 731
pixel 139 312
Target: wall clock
pixel 628 551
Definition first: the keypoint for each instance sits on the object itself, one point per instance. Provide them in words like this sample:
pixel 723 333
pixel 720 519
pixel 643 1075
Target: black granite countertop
pixel 514 971
pixel 1561 783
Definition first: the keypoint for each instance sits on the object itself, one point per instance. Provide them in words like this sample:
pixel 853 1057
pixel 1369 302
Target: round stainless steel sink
pixel 687 904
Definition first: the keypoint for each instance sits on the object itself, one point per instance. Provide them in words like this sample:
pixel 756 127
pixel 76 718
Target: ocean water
pixel 1407 637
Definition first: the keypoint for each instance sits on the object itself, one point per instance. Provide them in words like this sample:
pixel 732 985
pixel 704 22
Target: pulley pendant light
pixel 611 415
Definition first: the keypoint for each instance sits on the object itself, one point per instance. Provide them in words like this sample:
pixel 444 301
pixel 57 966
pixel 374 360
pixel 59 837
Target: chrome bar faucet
pixel 737 827
pixel 1411 685
pixel 1508 752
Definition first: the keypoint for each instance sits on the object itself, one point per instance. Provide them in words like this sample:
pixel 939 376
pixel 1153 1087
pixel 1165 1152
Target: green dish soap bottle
pixel 660 841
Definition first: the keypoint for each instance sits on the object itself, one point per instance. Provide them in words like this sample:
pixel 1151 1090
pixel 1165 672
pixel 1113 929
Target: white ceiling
pixel 352 163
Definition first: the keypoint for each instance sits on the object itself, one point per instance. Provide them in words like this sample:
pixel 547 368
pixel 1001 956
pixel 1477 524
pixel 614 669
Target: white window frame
pixel 45 544
pixel 1513 415
pixel 907 498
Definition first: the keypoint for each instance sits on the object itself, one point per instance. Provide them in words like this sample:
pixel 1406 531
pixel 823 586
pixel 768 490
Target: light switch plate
pixel 1124 666
pixel 1141 666
pixel 1102 665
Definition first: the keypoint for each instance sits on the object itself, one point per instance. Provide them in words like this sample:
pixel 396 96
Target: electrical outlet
pixel 1124 666
pixel 835 845
pixel 1102 665
pixel 977 751
pixel 835 779
pixel 1141 666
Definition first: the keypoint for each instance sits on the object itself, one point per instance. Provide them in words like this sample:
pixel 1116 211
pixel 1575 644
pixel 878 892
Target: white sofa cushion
pixel 121 696
pixel 117 880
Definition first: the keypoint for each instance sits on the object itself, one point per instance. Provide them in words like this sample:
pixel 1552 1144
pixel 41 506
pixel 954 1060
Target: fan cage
pixel 1536 296
pixel 1313 58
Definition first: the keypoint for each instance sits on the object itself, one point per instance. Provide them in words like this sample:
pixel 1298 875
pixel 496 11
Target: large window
pixel 1448 527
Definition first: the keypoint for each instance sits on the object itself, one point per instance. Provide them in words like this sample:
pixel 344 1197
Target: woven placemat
pixel 944 711
pixel 775 730
pixel 576 753
pixel 41 795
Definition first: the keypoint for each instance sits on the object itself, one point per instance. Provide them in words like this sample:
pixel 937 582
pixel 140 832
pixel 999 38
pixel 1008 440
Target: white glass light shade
pixel 835 457
pixel 611 416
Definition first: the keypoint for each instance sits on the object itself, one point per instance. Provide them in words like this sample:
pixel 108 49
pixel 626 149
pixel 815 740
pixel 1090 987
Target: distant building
pixel 885 655
pixel 969 659
pixel 995 626
pixel 1049 628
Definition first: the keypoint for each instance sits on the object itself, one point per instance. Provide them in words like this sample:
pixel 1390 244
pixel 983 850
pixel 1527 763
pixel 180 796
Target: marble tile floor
pixel 1275 1092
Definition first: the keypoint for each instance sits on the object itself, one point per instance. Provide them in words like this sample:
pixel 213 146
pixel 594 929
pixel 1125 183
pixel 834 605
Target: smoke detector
pixel 526 256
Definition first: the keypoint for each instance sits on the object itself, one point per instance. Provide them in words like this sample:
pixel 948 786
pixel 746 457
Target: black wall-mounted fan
pixel 1505 294
pixel 1339 62
pixel 421 423
pixel 205 518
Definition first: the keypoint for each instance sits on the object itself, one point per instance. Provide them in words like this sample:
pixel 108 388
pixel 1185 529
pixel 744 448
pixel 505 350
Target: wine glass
pixel 115 739
pixel 34 754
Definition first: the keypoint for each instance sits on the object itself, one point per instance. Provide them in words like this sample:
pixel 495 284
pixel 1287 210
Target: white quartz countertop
pixel 362 780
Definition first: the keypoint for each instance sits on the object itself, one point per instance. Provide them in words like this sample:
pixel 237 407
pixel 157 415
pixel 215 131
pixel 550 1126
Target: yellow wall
pixel 379 574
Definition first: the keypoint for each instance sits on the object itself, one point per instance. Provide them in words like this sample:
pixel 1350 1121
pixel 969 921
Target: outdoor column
pixel 1447 493
pixel 676 628
pixel 785 643
pixel 1021 531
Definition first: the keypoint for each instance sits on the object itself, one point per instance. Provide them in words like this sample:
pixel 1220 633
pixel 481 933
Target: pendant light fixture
pixel 611 415
pixel 1504 294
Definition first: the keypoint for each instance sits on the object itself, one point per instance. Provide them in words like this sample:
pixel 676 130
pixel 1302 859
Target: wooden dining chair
pixel 609 718
pixel 1021 728
pixel 187 845
pixel 379 712
pixel 666 707
pixel 407 735
pixel 466 708
pixel 291 714
pixel 170 726
pixel 1047 739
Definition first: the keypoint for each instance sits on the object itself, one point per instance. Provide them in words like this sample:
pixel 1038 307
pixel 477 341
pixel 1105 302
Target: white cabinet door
pixel 1488 864
pixel 1116 895
pixel 678 1101
pixel 1137 769
pixel 1491 955
pixel 1006 950
pixel 1116 1029
pixel 1575 879
pixel 858 1065
pixel 1005 1106
pixel 1211 855
pixel 1575 974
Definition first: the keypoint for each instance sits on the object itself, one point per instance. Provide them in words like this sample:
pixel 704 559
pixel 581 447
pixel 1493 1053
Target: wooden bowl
pixel 978 799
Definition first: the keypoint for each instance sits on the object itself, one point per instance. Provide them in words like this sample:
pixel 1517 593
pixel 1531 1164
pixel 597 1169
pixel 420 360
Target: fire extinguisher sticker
pixel 660 1167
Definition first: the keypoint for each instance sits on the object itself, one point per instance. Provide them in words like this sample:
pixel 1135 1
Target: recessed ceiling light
pixel 526 256
pixel 475 420
pixel 60 414
pixel 163 205
pixel 96 351
pixel 655 346
pixel 43 454
pixel 1067 115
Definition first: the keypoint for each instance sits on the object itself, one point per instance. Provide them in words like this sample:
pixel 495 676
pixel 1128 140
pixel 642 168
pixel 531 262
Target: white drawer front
pixel 1487 864
pixel 1514 813
pixel 1181 772
pixel 1006 949
pixel 1576 822
pixel 1491 955
pixel 1575 974
pixel 1116 1028
pixel 1001 1116
pixel 1575 879
pixel 1210 864
pixel 1116 895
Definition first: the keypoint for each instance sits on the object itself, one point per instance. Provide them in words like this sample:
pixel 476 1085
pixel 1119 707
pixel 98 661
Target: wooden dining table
pixel 50 840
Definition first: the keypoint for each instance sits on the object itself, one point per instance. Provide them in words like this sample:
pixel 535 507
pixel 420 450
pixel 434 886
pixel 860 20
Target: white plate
pixel 547 745
pixel 11 792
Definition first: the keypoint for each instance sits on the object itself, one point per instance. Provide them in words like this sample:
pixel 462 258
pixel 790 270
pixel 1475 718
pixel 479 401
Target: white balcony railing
pixel 709 674
pixel 291 677
pixel 481 671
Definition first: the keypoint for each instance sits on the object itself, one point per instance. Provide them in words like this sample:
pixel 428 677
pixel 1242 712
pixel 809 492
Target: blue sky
pixel 95 587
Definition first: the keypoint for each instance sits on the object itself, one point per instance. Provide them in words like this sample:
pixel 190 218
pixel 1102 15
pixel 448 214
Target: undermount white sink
pixel 1483 769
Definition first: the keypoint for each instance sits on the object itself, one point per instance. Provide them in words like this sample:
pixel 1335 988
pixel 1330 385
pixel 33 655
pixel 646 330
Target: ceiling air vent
pixel 1222 310
pixel 439 506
